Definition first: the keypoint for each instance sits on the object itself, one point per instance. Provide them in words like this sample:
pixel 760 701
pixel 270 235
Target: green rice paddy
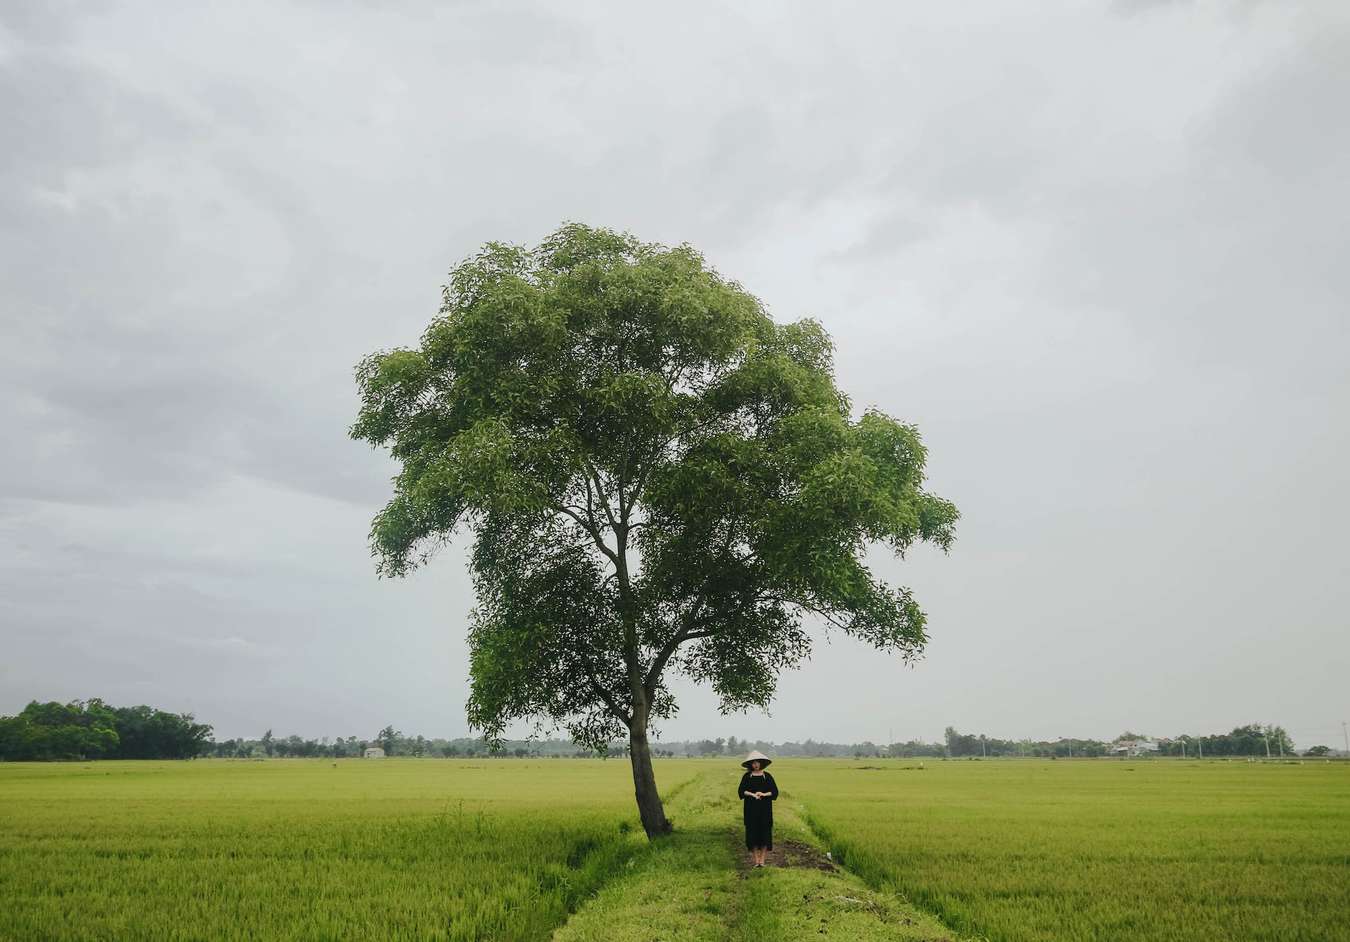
pixel 1098 849
pixel 307 849
pixel 524 849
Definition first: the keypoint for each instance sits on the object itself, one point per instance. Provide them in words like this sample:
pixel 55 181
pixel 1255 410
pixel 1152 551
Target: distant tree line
pixel 92 729
pixel 1242 741
pixel 1251 740
pixel 395 743
pixel 721 746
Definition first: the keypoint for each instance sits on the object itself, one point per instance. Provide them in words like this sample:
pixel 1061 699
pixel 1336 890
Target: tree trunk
pixel 650 809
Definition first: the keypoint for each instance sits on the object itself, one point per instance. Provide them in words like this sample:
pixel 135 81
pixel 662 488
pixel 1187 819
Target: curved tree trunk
pixel 650 809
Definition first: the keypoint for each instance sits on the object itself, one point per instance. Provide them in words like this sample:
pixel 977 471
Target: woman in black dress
pixel 757 792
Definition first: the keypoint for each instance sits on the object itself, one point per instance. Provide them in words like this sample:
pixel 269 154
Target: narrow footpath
pixel 694 886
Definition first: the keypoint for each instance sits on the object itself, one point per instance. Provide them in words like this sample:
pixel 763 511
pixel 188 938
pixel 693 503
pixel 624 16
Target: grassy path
pixel 694 885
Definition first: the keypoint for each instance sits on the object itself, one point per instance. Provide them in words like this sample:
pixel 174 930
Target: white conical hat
pixel 756 754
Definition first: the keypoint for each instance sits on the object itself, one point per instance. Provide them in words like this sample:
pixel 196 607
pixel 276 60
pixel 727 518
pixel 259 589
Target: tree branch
pixel 685 633
pixel 594 477
pixel 603 694
pixel 830 618
pixel 659 664
pixel 689 430
pixel 590 527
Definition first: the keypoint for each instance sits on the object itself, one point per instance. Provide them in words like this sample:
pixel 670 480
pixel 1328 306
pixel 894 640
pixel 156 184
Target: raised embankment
pixel 694 886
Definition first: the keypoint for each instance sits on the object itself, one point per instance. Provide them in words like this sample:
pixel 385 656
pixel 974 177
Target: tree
pixel 150 733
pixel 961 744
pixel 75 730
pixel 1250 740
pixel 387 737
pixel 1279 740
pixel 91 729
pixel 656 475
pixel 1318 751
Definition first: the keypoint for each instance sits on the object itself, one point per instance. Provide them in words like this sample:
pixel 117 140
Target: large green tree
pixel 90 729
pixel 656 475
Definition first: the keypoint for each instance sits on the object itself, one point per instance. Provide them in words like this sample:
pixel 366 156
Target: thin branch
pixel 590 528
pixel 602 693
pixel 685 633
pixel 659 664
pixel 829 617
pixel 689 430
pixel 601 497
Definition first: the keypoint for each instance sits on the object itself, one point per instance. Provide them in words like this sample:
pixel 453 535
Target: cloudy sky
pixel 1096 251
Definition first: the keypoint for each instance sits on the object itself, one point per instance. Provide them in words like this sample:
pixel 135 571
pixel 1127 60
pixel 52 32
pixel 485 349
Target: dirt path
pixel 791 853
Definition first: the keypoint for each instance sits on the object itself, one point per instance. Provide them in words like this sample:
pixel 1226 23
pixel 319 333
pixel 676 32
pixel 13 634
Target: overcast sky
pixel 1095 251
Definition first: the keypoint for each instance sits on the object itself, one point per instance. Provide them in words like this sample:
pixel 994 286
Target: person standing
pixel 757 791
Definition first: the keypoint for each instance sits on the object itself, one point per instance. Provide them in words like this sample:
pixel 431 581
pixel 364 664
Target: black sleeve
pixel 773 787
pixel 740 789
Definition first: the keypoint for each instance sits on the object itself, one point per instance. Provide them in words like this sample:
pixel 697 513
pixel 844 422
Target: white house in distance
pixel 1133 747
pixel 373 752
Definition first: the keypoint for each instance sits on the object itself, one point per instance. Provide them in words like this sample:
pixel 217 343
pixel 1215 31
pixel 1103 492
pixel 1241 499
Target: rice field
pixel 307 849
pixel 1097 849
pixel 514 849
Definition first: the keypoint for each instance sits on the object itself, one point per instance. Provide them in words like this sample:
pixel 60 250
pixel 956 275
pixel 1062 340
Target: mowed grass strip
pixel 1098 849
pixel 693 886
pixel 680 888
pixel 306 849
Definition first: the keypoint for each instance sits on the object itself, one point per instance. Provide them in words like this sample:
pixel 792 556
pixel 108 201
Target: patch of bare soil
pixel 791 854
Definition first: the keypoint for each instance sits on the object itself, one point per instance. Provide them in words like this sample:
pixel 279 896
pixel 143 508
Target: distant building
pixel 1133 747
pixel 374 752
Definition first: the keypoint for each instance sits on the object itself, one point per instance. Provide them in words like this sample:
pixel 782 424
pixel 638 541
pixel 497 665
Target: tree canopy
pixel 92 729
pixel 656 476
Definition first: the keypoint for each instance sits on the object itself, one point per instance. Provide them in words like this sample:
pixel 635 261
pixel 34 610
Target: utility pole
pixel 1200 744
pixel 1266 735
pixel 1183 748
pixel 983 753
pixel 1347 738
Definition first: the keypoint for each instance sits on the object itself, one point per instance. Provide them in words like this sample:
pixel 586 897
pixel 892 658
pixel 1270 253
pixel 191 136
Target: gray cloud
pixel 1094 256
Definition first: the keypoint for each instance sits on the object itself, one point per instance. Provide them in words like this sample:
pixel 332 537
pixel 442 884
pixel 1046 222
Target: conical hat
pixel 756 754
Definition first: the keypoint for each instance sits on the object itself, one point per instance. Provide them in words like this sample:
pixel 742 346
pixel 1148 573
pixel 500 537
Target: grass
pixel 532 849
pixel 1140 850
pixel 309 849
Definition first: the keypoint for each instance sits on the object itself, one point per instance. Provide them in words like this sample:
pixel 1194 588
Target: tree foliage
pixel 1250 740
pixel 91 729
pixel 656 476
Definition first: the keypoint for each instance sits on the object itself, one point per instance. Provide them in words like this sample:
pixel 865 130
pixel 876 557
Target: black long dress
pixel 758 812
